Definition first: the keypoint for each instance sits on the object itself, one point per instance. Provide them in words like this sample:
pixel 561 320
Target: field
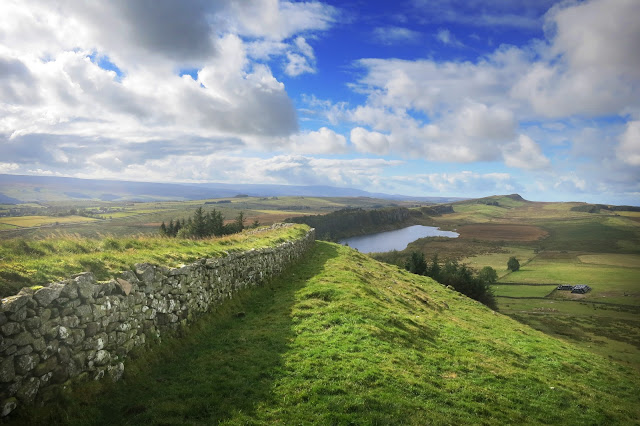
pixel 342 339
pixel 33 221
pixel 554 245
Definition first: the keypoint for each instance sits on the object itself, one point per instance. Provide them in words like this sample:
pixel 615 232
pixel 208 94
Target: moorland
pixel 344 309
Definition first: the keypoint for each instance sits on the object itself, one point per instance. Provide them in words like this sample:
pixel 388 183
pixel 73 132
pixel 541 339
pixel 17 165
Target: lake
pixel 395 240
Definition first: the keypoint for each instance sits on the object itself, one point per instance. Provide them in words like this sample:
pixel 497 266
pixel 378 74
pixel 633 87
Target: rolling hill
pixel 344 339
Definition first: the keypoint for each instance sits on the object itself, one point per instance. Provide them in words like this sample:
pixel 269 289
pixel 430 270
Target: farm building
pixel 564 287
pixel 581 288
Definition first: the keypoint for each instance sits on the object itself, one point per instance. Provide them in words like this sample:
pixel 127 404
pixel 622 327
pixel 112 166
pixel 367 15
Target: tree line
pixel 203 224
pixel 460 277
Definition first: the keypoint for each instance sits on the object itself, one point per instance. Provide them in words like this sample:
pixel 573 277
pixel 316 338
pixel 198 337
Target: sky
pixel 463 98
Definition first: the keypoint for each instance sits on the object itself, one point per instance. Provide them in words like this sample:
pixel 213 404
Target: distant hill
pixel 21 188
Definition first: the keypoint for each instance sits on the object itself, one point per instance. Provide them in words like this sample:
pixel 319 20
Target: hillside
pixel 344 339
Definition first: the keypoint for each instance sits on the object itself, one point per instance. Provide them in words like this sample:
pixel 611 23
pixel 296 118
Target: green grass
pixel 26 263
pixel 342 339
pixel 614 284
pixel 522 290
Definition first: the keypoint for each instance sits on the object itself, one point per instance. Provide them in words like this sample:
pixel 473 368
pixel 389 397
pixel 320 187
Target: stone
pixel 63 332
pixel 33 323
pixel 3 318
pixel 70 321
pixel 115 372
pixel 102 357
pixel 70 290
pixel 7 406
pixel 23 350
pixel 86 285
pixel 19 315
pixel 11 328
pixel 28 391
pixel 45 367
pixel 7 370
pixel 46 295
pixel 60 374
pixel 23 339
pixel 39 344
pixel 145 272
pixel 124 286
pixel 11 304
pixel 91 329
pixel 26 363
pixel 84 311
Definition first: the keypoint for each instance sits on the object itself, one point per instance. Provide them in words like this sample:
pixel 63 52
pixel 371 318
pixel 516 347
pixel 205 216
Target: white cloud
pixel 629 149
pixel 464 182
pixel 8 167
pixel 395 35
pixel 446 38
pixel 297 65
pixel 322 141
pixel 525 154
pixel 370 142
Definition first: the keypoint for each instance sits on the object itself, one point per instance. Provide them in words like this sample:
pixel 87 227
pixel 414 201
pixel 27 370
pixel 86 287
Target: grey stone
pixel 19 315
pixel 23 350
pixel 11 304
pixel 7 370
pixel 102 357
pixel 11 350
pixel 45 367
pixel 26 363
pixel 23 339
pixel 145 272
pixel 70 290
pixel 84 311
pixel 7 406
pixel 46 295
pixel 70 321
pixel 33 323
pixel 11 328
pixel 115 372
pixel 91 329
pixel 3 318
pixel 86 285
pixel 39 344
pixel 27 392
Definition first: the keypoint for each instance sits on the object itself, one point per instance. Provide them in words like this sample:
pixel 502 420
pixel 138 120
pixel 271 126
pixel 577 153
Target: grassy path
pixel 342 339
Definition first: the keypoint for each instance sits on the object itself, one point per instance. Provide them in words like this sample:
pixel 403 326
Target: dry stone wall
pixel 82 329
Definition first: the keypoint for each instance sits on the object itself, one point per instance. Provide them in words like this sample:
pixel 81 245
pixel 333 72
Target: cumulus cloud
pixel 370 142
pixel 629 148
pixel 525 154
pixel 77 78
pixel 322 141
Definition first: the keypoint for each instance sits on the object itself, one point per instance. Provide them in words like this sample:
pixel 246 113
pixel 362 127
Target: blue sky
pixel 417 97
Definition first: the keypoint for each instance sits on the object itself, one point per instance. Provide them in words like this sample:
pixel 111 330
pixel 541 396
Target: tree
pixel 513 264
pixel 163 228
pixel 199 226
pixel 416 263
pixel 240 221
pixel 488 275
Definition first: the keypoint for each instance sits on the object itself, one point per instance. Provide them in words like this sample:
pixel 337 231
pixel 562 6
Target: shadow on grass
pixel 226 364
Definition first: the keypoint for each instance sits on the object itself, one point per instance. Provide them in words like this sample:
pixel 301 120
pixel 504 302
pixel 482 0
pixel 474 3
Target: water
pixel 395 240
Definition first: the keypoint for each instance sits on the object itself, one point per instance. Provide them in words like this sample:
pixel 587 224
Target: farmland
pixel 553 243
